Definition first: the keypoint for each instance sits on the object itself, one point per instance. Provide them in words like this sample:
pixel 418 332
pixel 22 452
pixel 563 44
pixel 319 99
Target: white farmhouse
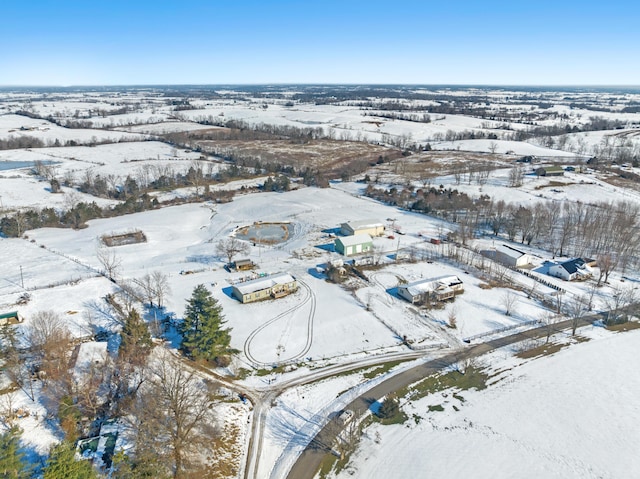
pixel 573 269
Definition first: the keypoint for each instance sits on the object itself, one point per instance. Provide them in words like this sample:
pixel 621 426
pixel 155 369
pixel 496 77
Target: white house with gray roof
pixel 273 286
pixel 571 270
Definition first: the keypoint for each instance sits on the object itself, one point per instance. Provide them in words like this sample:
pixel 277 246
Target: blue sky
pixel 99 42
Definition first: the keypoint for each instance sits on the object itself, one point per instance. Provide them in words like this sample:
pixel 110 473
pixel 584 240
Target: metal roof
pixel 354 239
pixel 356 225
pixel 263 283
pixel 432 284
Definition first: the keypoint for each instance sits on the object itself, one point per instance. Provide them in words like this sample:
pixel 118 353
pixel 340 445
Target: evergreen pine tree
pixel 203 336
pixel 62 464
pixel 12 465
pixel 136 338
pixel 389 407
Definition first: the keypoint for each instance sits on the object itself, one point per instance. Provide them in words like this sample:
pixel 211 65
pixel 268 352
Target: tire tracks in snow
pixel 310 297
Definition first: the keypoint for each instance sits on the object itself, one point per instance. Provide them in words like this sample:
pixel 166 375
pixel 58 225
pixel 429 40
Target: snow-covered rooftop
pixel 354 239
pixel 431 284
pixel 355 225
pixel 510 251
pixel 264 283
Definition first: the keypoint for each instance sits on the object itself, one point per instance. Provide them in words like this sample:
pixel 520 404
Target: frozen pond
pixel 269 233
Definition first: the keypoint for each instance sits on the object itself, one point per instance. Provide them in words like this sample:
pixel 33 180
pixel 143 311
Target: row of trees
pixel 607 231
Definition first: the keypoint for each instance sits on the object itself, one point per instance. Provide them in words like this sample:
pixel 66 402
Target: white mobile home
pixel 274 286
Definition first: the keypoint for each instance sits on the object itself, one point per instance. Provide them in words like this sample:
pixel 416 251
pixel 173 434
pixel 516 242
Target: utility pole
pixel 21 277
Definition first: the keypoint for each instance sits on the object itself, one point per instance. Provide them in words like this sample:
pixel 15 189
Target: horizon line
pixel 409 84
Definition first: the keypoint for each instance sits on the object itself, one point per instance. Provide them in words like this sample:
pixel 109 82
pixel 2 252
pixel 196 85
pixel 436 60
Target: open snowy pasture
pixel 21 126
pixel 518 148
pixel 19 189
pixel 144 161
pixel 320 321
pixel 569 415
pixel 25 263
pixel 164 127
pixel 123 120
pixel 113 156
pixel 343 121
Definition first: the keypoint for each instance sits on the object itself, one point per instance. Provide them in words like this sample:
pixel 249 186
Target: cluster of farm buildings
pixel 355 241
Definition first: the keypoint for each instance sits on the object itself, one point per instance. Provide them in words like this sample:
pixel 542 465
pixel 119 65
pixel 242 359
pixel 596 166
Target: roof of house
pixel 442 283
pixel 259 284
pixel 243 262
pixel 510 251
pixel 573 265
pixel 356 225
pixel 354 239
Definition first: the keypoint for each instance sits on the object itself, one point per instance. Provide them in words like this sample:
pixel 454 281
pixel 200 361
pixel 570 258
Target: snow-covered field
pixel 183 238
pixel 21 126
pixel 549 417
pixel 570 415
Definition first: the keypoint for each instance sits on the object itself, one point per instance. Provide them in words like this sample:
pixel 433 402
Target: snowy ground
pixel 21 126
pixel 553 417
pixel 522 426
pixel 318 306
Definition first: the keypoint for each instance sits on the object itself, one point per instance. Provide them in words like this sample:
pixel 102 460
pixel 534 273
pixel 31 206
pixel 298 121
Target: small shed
pixel 243 265
pixel 356 244
pixel 11 318
pixel 369 227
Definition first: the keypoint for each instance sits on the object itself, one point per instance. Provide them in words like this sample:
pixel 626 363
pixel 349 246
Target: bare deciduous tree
pixel 606 264
pixel 50 341
pixel 618 304
pixel 576 309
pixel 509 301
pixel 110 261
pixel 173 414
pixel 549 320
pixel 161 287
pixel 154 288
pixel 231 247
pixel 515 176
